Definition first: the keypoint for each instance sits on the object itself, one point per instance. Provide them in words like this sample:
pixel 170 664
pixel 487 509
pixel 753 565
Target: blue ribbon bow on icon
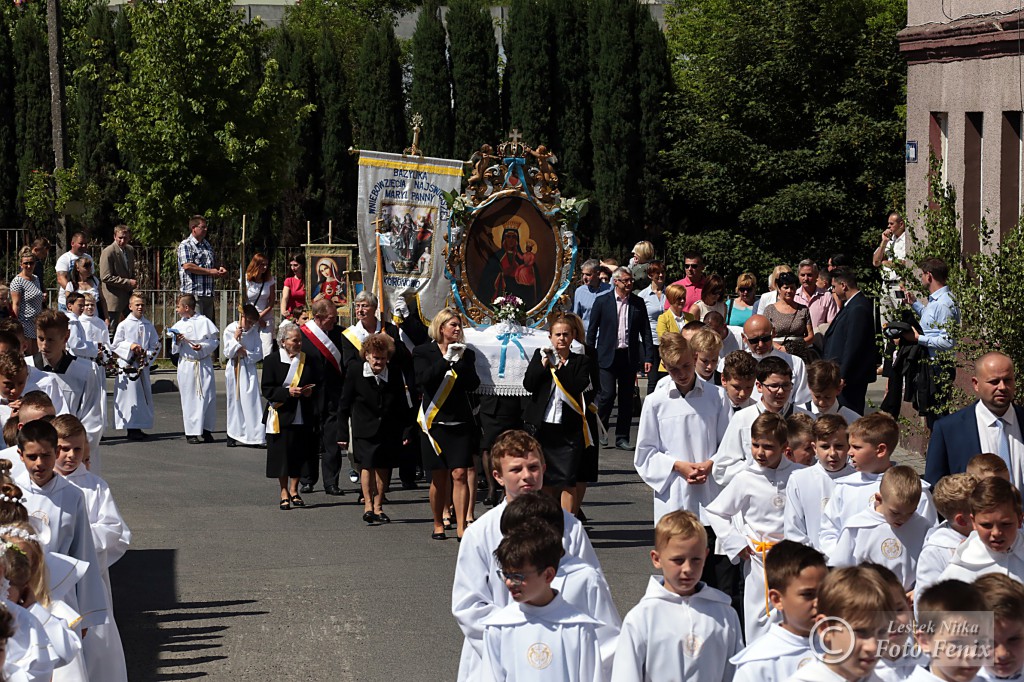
pixel 505 338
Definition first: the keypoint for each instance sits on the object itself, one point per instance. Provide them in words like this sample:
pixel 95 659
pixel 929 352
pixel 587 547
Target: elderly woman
pixel 446 375
pixel 290 415
pixel 640 263
pixel 85 281
pixel 374 399
pixel 654 299
pixel 261 291
pixel 742 306
pixel 791 320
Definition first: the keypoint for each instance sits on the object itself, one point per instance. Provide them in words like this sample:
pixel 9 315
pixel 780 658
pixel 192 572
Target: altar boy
pixel 195 340
pixel 243 349
pixel 136 344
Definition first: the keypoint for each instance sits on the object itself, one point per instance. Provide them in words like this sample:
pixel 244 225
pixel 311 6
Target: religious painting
pixel 406 237
pixel 327 275
pixel 511 249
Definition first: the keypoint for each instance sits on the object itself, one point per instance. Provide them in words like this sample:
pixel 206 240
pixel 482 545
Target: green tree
pixel 205 132
pixel 96 147
pixel 339 177
pixel 33 142
pixel 571 96
pixel 529 47
pixel 430 92
pixel 615 132
pixel 797 144
pixel 474 54
pixel 378 106
pixel 654 82
pixel 8 160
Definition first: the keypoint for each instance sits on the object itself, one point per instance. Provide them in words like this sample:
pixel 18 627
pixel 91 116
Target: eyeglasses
pixel 624 280
pixel 516 579
pixel 775 388
pixel 745 290
pixel 755 340
pixel 25 263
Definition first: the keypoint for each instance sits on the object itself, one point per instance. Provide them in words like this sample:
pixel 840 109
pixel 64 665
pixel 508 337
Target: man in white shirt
pixel 759 333
pixel 891 250
pixel 66 265
pixel 993 424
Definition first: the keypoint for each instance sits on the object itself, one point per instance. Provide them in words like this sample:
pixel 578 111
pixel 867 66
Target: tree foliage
pixel 474 54
pixel 430 92
pixel 796 144
pixel 337 164
pixel 571 95
pixel 654 85
pixel 33 142
pixel 529 54
pixel 379 104
pixel 207 133
pixel 8 160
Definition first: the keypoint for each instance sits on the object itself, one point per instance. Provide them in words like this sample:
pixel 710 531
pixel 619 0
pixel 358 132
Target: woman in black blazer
pixel 552 411
pixel 590 462
pixel 374 398
pixel 451 442
pixel 290 414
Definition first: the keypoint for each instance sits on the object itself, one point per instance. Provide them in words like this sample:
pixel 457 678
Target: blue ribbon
pixel 505 338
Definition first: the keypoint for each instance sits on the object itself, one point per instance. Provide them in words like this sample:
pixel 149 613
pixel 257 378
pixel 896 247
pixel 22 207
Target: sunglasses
pixel 691 266
pixel 745 290
pixel 755 340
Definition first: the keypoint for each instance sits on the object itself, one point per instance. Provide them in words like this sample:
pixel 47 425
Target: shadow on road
pixel 159 642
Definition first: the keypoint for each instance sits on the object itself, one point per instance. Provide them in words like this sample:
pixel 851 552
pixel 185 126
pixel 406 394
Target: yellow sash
pixel 762 547
pixel 426 418
pixel 273 422
pixel 576 406
pixel 353 339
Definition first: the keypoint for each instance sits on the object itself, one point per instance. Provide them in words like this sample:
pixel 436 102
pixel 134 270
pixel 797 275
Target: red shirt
pixel 297 293
pixel 693 291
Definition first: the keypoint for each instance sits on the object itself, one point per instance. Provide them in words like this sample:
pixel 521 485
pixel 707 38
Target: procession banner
pixel 401 209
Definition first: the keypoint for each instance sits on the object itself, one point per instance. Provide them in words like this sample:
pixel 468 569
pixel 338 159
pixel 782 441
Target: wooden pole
pixel 307 233
pixel 54 33
pixel 330 231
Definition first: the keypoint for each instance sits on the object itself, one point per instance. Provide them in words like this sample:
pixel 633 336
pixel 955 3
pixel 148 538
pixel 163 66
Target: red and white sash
pixel 322 343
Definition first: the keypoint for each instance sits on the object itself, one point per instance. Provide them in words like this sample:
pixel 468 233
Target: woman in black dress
pixel 446 373
pixel 589 464
pixel 557 409
pixel 290 415
pixel 374 398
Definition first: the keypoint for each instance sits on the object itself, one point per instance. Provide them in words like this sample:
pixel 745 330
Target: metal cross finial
pixel 515 136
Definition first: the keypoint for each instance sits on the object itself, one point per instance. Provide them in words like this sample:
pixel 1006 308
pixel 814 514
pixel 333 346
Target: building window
pixel 974 137
pixel 1010 198
pixel 938 140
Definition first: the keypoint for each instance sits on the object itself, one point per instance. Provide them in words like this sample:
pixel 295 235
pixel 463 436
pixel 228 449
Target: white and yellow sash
pixel 426 418
pixel 577 407
pixel 291 380
pixel 357 333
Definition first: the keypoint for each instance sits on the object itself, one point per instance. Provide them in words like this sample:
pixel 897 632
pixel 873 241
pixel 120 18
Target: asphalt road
pixel 220 584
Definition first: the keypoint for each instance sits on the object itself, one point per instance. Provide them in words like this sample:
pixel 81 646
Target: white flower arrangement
pixel 508 308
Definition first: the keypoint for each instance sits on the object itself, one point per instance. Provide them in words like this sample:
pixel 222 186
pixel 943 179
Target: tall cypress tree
pixel 474 54
pixel 529 44
pixel 34 143
pixel 8 159
pixel 654 81
pixel 339 179
pixel 615 125
pixel 430 94
pixel 571 95
pixel 379 105
pixel 96 147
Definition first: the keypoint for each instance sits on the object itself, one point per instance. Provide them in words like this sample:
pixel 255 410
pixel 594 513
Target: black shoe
pixel 353 475
pixel 306 488
pixel 369 517
pixel 207 437
pixel 334 490
pixel 137 434
pixel 297 501
pixel 383 518
pixel 193 440
pixel 232 443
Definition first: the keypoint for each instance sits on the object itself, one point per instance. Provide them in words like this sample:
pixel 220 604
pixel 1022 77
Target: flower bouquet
pixel 508 309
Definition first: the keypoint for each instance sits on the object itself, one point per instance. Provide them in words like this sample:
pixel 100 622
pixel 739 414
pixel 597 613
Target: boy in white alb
pixel 739 374
pixel 82 392
pixel 951 495
pixel 681 426
pixel 995 545
pixel 794 572
pixel 33 405
pixel 243 348
pixel 747 515
pixel 775 383
pixel 104 654
pixel 476 592
pixel 85 343
pixel 854 607
pixel 889 533
pixel 538 637
pixel 872 441
pixel 826 383
pixel 948 619
pixel 14 386
pixel 810 489
pixel 681 629
pixel 1004 597
pixel 136 345
pixel 57 510
pixel 898 657
pixel 195 340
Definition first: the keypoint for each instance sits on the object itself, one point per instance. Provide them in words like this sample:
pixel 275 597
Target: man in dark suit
pixel 117 272
pixel 621 332
pixel 850 340
pixel 321 342
pixel 988 425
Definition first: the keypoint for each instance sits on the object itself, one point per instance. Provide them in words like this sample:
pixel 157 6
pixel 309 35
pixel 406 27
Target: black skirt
pixel 379 452
pixel 288 450
pixel 509 415
pixel 587 471
pixel 562 453
pixel 458 444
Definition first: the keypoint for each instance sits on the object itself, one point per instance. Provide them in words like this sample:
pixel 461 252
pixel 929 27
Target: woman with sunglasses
pixel 84 280
pixel 742 306
pixel 27 297
pixel 293 295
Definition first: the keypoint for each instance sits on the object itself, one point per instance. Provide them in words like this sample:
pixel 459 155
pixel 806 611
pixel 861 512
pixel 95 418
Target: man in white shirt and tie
pixel 993 424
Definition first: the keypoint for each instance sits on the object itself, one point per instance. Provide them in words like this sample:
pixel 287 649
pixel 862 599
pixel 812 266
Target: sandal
pixel 285 504
pixel 447 523
pixel 297 501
